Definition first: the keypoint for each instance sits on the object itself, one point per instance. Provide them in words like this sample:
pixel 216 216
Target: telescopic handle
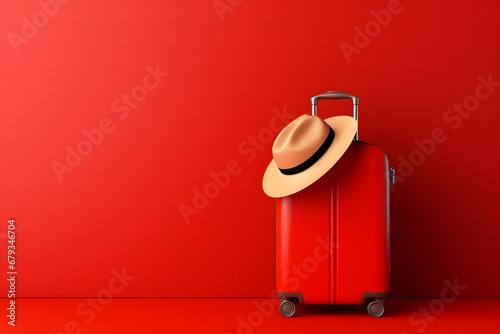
pixel 331 95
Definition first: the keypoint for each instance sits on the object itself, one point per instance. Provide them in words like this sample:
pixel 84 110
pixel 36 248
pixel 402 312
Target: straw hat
pixel 305 150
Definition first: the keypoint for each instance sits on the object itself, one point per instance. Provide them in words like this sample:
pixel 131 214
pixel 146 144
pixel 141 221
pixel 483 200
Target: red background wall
pixel 230 74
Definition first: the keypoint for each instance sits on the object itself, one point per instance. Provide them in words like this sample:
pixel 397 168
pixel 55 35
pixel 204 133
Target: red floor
pixel 247 316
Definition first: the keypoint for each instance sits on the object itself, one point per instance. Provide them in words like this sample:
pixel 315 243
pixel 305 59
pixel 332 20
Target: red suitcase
pixel 333 237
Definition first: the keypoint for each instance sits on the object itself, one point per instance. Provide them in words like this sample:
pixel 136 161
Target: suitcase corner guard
pixel 291 295
pixel 372 295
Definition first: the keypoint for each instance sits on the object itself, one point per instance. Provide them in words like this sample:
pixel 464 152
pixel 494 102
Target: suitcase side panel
pixel 362 215
pixel 302 243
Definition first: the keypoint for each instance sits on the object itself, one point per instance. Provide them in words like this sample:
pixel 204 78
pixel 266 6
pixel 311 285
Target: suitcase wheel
pixel 376 308
pixel 287 308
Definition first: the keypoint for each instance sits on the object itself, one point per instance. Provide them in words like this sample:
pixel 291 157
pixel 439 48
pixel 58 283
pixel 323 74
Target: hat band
pixel 312 160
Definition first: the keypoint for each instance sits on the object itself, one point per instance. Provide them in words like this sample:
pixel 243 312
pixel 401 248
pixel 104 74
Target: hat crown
pixel 299 140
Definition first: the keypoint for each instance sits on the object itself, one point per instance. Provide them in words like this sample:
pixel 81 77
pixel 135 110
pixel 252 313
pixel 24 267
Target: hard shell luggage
pixel 333 237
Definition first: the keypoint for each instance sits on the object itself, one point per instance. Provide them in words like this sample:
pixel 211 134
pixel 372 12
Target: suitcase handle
pixel 331 95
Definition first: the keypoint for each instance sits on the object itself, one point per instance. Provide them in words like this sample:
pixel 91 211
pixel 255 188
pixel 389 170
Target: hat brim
pixel 276 184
